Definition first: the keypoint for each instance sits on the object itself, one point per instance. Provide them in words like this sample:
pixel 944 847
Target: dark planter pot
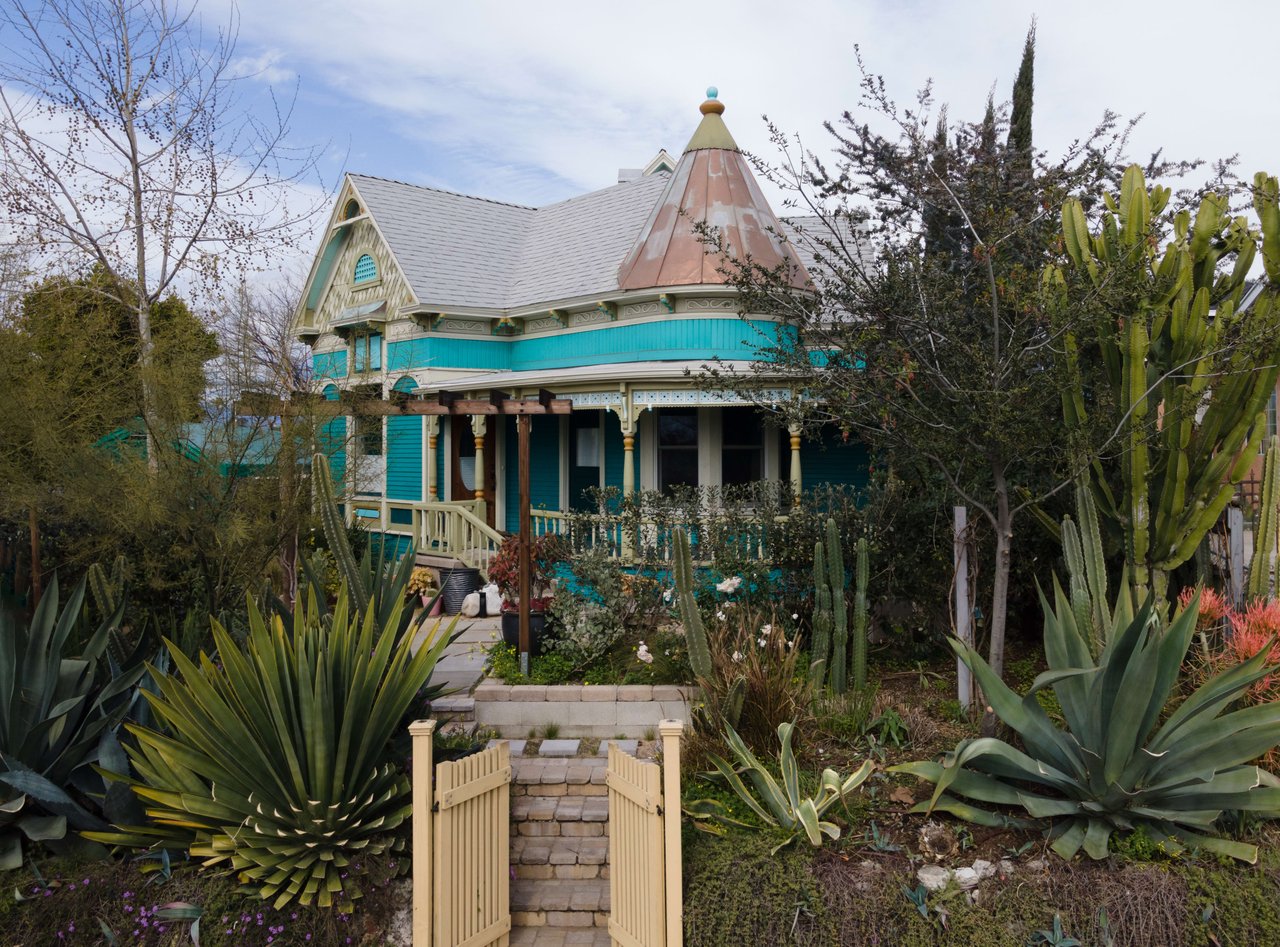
pixel 453 753
pixel 511 630
pixel 457 584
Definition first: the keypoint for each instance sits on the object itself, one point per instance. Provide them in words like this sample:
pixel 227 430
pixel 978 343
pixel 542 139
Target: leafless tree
pixel 129 145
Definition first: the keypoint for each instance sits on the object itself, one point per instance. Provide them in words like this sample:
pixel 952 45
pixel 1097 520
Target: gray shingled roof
pixel 465 251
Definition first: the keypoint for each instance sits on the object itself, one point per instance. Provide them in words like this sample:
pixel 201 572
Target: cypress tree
pixel 1023 94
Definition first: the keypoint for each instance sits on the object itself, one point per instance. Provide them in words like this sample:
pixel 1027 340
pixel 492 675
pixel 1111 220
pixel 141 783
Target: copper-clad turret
pixel 711 183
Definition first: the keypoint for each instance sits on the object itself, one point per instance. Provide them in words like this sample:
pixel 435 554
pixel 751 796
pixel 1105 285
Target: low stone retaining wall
pixel 579 710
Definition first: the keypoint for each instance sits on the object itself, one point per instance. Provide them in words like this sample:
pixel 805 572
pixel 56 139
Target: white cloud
pixel 505 92
pixel 265 67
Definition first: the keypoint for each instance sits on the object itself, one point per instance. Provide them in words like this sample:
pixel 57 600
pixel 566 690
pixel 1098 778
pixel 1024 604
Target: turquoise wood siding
pixel 404 452
pixel 330 364
pixel 544 468
pixel 829 459
pixel 333 439
pixel 675 339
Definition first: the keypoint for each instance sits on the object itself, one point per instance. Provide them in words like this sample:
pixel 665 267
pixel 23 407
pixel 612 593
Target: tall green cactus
pixel 1264 532
pixel 335 531
pixel 1189 371
pixel 862 577
pixel 107 590
pixel 820 653
pixel 695 632
pixel 1087 570
pixel 839 611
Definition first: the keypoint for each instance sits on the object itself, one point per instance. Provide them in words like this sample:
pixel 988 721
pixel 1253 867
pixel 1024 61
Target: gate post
pixel 670 731
pixel 421 792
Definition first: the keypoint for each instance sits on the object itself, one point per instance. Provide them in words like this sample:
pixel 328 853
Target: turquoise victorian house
pixel 609 299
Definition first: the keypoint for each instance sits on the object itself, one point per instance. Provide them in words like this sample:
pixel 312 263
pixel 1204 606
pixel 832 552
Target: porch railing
pixel 440 528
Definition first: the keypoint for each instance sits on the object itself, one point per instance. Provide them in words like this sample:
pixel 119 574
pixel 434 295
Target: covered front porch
pixel 450 484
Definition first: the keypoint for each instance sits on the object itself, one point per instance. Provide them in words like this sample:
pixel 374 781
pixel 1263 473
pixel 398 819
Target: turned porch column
pixel 797 482
pixel 432 492
pixel 478 424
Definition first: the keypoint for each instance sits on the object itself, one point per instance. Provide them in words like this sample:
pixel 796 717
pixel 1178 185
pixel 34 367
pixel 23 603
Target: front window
pixel 366 352
pixel 368 428
pixel 742 447
pixel 677 448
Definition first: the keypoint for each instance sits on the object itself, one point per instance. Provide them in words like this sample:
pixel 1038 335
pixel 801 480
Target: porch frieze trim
pixel 645 397
pixel 595 398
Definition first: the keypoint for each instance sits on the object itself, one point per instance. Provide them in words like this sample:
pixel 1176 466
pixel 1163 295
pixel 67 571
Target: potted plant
pixel 544 552
pixel 422 583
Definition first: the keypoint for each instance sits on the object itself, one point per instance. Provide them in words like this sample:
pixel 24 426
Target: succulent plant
pixel 1122 761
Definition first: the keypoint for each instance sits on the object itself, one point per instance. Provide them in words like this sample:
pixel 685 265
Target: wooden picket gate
pixel 461 846
pixel 645 880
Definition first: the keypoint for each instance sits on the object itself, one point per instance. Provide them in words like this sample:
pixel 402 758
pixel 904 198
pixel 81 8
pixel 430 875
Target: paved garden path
pixel 463 663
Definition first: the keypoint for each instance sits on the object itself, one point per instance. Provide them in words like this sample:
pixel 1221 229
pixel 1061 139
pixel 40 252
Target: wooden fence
pixel 645 877
pixel 461 846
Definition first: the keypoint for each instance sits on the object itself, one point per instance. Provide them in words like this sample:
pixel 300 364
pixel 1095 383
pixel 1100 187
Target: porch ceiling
pixel 561 378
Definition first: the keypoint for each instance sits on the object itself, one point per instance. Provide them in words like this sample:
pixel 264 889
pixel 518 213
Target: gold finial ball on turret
pixel 713 105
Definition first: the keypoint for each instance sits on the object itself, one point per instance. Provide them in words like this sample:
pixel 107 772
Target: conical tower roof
pixel 712 183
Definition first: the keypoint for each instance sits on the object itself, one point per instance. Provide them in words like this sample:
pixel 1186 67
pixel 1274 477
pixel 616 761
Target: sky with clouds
pixel 534 102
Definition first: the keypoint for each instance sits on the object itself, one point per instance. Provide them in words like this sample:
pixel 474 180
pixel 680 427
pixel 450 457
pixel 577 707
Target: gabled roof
pixel 462 252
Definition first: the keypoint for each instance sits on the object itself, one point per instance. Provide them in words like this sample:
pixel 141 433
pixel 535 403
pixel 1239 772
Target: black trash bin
pixel 457 584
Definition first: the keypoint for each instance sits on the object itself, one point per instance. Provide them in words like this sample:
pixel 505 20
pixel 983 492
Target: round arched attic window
pixel 366 269
pixel 351 210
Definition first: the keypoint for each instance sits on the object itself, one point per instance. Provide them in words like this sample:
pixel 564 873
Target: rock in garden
pixel 933 877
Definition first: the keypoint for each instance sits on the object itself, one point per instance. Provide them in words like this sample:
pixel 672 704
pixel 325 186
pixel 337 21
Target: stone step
pixel 560 902
pixel 454 709
pixel 526 809
pixel 559 850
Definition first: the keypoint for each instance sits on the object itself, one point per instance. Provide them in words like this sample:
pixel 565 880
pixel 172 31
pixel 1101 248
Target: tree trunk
pixel 1000 579
pixel 33 524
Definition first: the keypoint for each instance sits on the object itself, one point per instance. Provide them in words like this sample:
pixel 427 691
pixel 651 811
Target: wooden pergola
pixel 399 404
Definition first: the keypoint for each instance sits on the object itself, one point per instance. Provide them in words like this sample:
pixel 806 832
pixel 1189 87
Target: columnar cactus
pixel 839 611
pixel 820 652
pixel 1170 315
pixel 1264 532
pixel 694 631
pixel 861 579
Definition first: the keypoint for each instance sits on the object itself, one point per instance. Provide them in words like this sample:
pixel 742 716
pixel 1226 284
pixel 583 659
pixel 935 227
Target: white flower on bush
pixel 720 615
pixel 762 641
pixel 729 585
pixel 667 595
pixel 766 631
pixel 795 616
pixel 737 657
pixel 642 654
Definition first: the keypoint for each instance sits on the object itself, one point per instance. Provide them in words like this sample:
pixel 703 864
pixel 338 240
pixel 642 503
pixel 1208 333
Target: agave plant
pixel 1120 763
pixel 781 806
pixel 277 761
pixel 55 712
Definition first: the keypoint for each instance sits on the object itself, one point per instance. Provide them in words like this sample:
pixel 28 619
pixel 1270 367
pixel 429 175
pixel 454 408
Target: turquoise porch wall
pixel 544 467
pixel 828 459
pixel 330 364
pixel 404 452
pixel 675 339
pixel 333 439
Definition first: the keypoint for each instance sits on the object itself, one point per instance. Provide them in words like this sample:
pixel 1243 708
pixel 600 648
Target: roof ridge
pixel 600 190
pixel 441 190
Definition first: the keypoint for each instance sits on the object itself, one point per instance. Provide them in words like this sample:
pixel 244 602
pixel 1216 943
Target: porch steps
pixel 559 851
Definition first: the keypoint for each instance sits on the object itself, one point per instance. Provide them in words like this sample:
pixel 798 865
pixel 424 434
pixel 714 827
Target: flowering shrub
pixel 1252 632
pixel 545 552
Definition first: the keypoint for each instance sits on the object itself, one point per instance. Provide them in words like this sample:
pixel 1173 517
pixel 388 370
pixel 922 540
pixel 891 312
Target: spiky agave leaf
pixel 1124 768
pixel 277 760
